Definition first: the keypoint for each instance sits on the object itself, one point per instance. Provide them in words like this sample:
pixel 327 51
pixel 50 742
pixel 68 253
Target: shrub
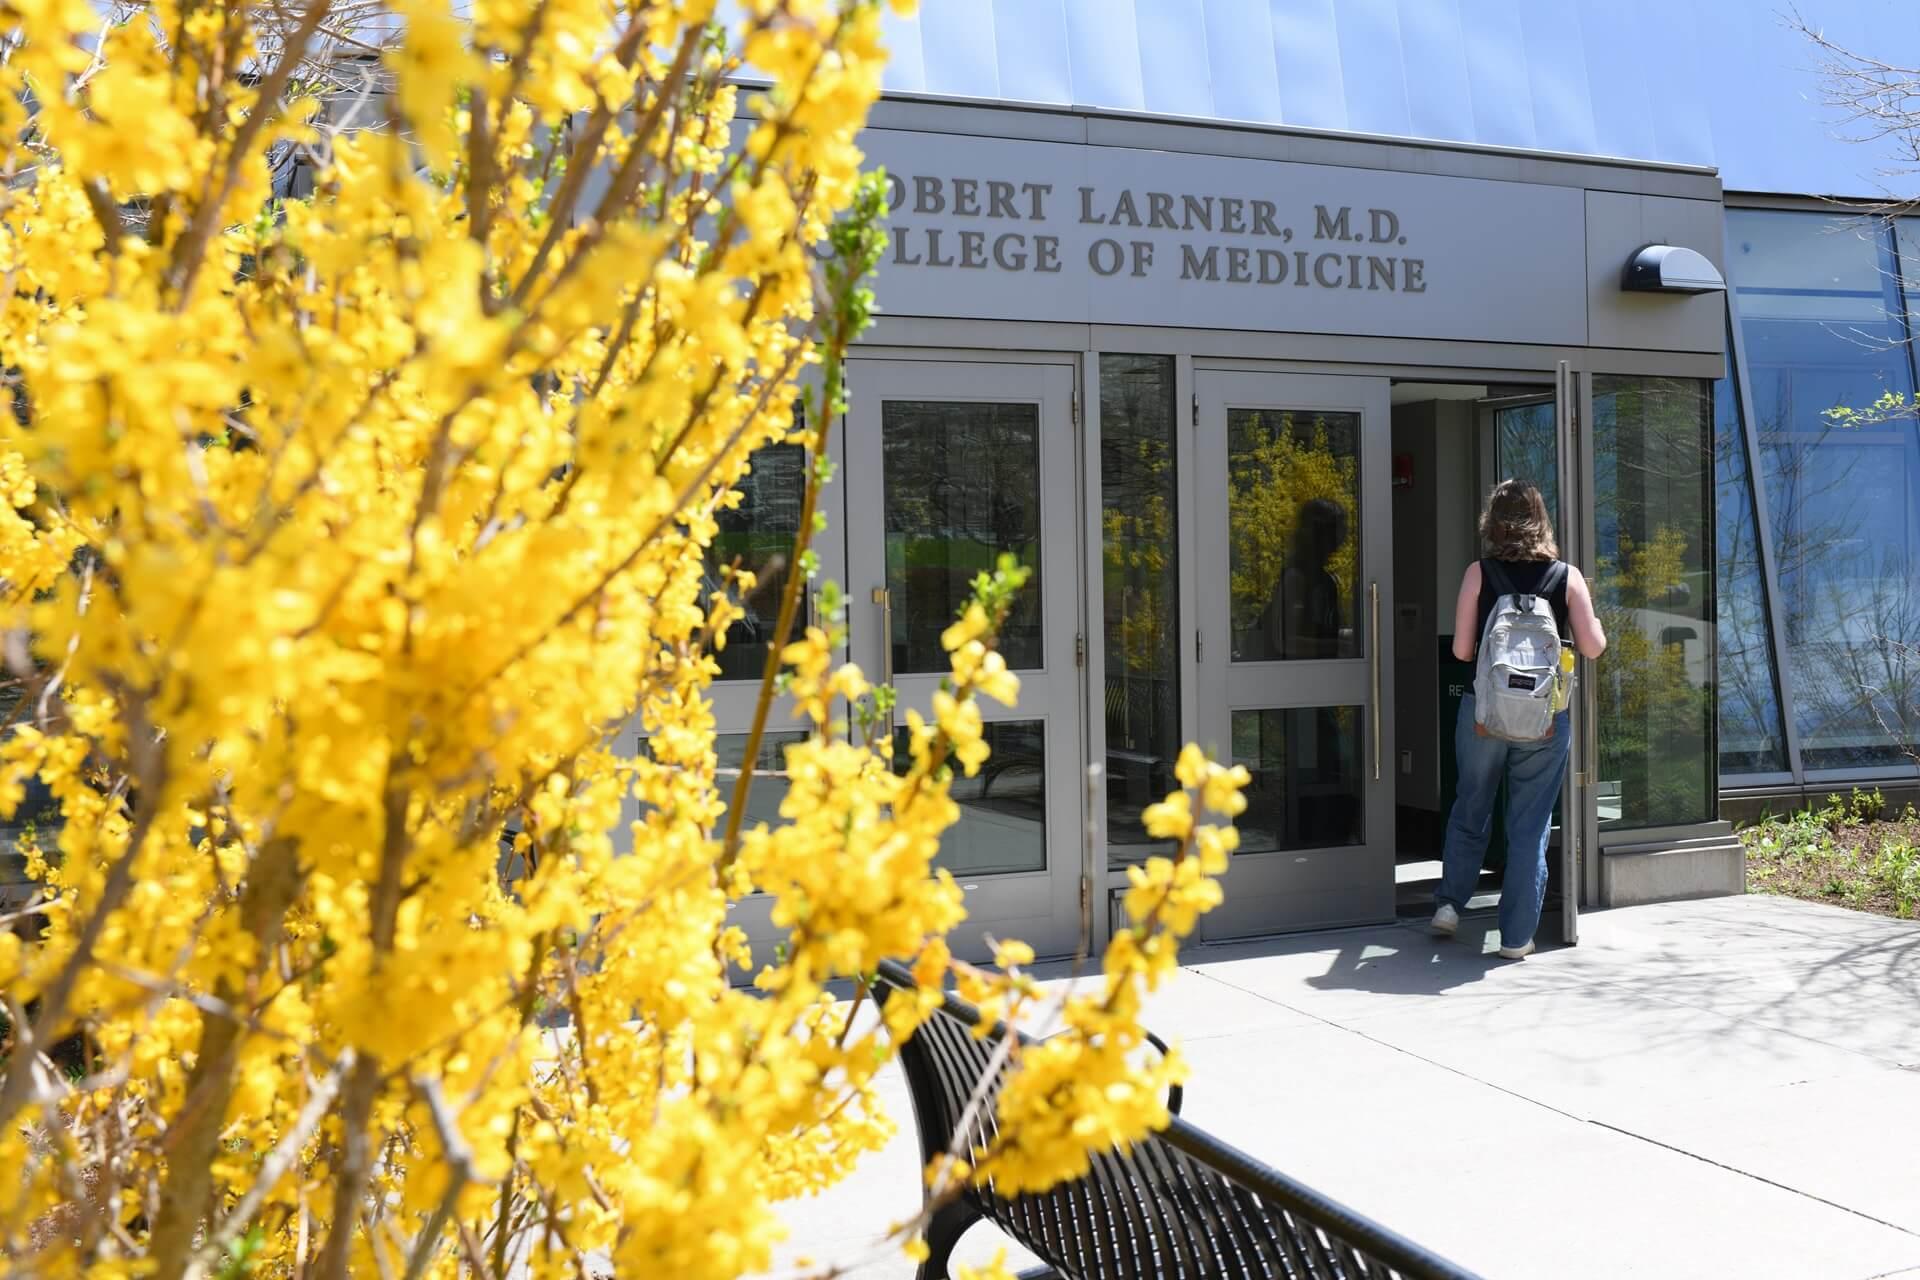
pixel 348 533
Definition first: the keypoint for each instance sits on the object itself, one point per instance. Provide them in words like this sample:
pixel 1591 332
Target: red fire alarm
pixel 1403 471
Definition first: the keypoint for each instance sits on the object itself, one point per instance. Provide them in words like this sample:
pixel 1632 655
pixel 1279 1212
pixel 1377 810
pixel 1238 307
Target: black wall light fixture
pixel 1669 268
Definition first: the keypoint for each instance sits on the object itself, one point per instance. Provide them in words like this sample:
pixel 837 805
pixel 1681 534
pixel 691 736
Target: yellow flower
pixel 1012 954
pixel 994 680
pixel 959 719
pixel 1190 767
pixel 1221 792
pixel 1171 819
pixel 433 62
pixel 973 624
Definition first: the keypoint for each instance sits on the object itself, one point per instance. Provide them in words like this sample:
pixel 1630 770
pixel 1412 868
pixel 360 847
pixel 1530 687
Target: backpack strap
pixel 1495 575
pixel 1556 575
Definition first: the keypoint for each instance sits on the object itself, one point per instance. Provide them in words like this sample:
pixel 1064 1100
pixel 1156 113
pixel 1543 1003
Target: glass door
pixel 950 464
pixel 1294 575
pixel 1537 439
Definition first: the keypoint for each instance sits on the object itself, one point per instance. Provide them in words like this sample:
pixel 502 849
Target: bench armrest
pixel 1175 1093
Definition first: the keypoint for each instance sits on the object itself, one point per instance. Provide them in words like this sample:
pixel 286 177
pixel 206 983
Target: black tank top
pixel 1526 576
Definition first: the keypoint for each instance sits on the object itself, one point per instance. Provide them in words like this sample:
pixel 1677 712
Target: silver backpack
pixel 1517 681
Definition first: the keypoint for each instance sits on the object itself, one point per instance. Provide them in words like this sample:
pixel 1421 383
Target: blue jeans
pixel 1533 773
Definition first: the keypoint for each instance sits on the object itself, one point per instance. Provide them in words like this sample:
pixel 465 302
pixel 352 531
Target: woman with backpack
pixel 1516 610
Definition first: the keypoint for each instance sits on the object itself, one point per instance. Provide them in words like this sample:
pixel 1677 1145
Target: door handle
pixel 884 598
pixel 1373 648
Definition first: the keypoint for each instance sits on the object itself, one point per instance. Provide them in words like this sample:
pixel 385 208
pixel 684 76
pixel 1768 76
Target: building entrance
pixel 1269 572
pixel 1327 519
pixel 1451 443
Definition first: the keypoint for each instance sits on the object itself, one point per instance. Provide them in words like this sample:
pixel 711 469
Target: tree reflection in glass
pixel 1139 592
pixel 1820 310
pixel 1653 590
pixel 1293 492
pixel 1527 440
pixel 1752 734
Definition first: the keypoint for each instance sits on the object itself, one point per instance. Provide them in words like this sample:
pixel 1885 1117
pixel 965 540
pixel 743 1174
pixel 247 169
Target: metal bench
pixel 1181 1204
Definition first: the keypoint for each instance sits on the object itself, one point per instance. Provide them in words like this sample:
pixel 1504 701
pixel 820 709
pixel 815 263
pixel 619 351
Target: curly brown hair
pixel 1515 524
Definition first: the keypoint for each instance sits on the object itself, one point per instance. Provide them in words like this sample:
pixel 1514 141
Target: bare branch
pixel 461 1173
pixel 275 1166
pixel 105 212
pixel 1875 100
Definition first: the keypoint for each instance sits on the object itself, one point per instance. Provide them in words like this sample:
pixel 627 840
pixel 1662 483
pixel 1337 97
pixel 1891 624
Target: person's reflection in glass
pixel 1307 602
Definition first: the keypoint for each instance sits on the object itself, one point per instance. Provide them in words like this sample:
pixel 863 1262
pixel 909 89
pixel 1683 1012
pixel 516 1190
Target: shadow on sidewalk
pixel 1399 960
pixel 1409 961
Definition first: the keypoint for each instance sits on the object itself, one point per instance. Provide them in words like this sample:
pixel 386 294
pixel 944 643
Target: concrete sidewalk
pixel 1721 1088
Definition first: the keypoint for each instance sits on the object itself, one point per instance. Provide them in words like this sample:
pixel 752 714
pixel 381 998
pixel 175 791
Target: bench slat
pixel 1126 1231
pixel 1197 1223
pixel 1230 1225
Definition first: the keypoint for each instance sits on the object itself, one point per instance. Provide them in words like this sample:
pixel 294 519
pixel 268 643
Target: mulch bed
pixel 1850 854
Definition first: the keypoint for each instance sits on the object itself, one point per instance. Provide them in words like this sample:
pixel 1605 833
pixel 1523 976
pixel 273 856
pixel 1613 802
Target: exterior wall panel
pixel 1617 226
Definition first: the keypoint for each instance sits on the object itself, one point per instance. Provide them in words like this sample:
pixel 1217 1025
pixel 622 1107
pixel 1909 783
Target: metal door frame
pixel 1579 830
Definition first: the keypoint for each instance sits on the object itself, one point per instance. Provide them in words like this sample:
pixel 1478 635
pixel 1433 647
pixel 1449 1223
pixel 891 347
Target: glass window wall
pixel 1002 825
pixel 1819 304
pixel 1752 733
pixel 1308 789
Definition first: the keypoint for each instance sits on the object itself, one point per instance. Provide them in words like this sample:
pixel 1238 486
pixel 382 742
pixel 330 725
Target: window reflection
pixel 1527 446
pixel 1293 491
pixel 1307 788
pixel 1003 808
pixel 1752 736
pixel 759 536
pixel 962 487
pixel 1653 590
pixel 1139 592
pixel 769 770
pixel 1818 302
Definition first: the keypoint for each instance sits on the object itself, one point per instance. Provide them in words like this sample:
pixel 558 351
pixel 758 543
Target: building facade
pixel 1223 314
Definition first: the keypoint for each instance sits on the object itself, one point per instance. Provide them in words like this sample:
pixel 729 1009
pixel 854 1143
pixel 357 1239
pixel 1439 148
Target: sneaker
pixel 1517 953
pixel 1445 920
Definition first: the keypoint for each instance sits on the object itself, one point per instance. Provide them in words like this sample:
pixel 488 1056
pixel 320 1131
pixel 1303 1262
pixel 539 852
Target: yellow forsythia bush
pixel 348 529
